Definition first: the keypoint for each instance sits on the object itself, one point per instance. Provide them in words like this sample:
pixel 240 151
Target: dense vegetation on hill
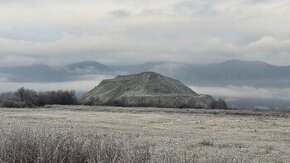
pixel 149 89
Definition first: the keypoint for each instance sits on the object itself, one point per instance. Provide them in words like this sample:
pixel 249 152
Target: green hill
pixel 148 89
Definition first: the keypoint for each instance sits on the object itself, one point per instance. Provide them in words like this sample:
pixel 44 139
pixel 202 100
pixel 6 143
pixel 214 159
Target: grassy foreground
pixel 46 145
pixel 78 134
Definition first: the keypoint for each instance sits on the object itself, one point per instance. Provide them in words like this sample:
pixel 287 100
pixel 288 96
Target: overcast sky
pixel 130 31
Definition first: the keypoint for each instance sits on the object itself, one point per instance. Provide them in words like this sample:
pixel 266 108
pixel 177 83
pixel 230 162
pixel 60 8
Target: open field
pixel 205 135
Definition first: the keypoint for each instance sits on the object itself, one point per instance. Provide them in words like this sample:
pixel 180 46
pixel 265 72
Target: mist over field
pixel 245 97
pixel 243 84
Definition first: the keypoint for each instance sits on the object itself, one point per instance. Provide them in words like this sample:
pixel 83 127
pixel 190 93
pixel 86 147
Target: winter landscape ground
pixel 112 134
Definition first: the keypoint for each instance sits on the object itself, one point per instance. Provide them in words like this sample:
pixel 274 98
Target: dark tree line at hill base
pixel 25 98
pixel 29 98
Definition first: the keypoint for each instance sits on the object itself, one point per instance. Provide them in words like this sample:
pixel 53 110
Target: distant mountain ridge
pixel 232 72
pixel 35 73
pixel 89 67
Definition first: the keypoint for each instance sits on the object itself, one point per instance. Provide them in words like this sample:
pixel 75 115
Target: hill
pixel 148 89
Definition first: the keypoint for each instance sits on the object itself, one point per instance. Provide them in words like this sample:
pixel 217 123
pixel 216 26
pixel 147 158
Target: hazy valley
pixel 244 84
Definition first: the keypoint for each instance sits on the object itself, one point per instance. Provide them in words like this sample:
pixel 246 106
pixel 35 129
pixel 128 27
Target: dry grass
pixel 79 134
pixel 26 145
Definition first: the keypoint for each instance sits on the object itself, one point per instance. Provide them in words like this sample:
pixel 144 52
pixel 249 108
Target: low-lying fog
pixel 237 96
pixel 77 85
pixel 247 97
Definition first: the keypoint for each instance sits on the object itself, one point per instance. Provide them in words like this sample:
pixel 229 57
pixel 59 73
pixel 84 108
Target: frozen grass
pixel 26 145
pixel 105 134
pixel 42 145
pixel 169 110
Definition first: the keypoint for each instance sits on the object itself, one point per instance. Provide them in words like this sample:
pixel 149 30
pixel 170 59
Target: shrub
pixel 219 104
pixel 30 98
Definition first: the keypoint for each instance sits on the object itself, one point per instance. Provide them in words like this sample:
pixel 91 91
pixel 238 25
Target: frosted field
pixel 206 136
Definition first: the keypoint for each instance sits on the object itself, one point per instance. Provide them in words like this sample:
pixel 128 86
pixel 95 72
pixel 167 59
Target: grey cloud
pixel 172 30
pixel 131 49
pixel 257 1
pixel 119 13
pixel 200 8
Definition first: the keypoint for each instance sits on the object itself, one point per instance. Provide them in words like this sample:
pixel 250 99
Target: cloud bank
pixel 114 32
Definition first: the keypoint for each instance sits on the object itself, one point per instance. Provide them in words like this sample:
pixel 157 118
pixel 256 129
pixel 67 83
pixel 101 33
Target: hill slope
pixel 148 89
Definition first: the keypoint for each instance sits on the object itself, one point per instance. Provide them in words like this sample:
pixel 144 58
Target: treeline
pixel 219 104
pixel 29 98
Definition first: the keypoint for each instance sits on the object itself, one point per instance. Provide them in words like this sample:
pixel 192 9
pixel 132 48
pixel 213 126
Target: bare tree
pixel 21 94
pixel 30 98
